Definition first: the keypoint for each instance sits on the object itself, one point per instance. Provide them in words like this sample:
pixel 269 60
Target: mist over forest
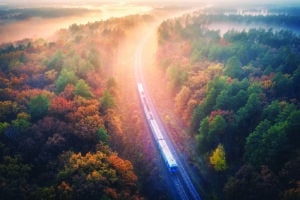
pixel 18 22
pixel 221 88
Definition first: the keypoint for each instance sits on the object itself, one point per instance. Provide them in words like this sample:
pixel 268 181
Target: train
pixel 157 134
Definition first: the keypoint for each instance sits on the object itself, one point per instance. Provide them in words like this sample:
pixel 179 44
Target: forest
pixel 71 126
pixel 60 124
pixel 238 94
pixel 27 13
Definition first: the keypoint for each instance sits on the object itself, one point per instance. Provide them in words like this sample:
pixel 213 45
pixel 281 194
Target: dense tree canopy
pixel 38 106
pixel 218 158
pixel 58 121
pixel 244 105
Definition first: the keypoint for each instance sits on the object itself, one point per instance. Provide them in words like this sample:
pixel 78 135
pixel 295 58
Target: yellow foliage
pixel 23 115
pixel 7 107
pixel 266 84
pixel 218 158
pixel 102 167
pixel 215 70
pixel 94 176
pixel 51 75
pixel 198 80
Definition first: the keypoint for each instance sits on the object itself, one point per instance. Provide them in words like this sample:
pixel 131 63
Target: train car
pixel 145 105
pixel 140 88
pixel 167 156
pixel 157 134
pixel 155 130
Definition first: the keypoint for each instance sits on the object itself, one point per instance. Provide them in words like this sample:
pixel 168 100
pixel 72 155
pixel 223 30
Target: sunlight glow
pixel 34 27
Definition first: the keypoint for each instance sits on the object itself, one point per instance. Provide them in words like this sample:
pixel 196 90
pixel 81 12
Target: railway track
pixel 179 188
pixel 181 180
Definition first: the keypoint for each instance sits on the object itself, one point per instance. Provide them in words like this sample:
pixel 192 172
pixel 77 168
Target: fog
pixel 12 28
pixel 15 25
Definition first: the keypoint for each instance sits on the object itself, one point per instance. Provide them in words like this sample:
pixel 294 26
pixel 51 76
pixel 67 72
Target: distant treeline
pixel 278 20
pixel 26 13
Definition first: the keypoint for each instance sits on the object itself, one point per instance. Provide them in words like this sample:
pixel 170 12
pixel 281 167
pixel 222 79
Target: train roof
pixel 140 87
pixel 167 153
pixel 157 133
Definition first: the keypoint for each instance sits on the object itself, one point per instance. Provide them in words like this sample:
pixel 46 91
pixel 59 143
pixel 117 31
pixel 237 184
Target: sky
pixel 128 1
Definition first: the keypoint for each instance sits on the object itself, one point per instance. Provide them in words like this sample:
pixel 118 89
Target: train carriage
pixel 167 156
pixel 155 130
pixel 157 134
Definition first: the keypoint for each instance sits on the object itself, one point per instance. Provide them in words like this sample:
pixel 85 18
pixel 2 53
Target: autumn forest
pixel 59 117
pixel 239 95
pixel 71 127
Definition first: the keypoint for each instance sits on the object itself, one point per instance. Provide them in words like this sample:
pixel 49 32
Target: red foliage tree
pixel 61 106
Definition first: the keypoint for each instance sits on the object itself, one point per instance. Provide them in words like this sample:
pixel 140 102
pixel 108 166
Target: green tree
pixel 265 145
pixel 218 125
pixel 3 127
pixel 218 158
pixel 239 100
pixel 293 128
pixel 38 106
pixel 56 62
pixel 296 80
pixel 65 77
pixel 248 115
pixel 282 84
pixel 233 68
pixel 163 32
pixel 102 135
pixel 272 111
pixel 107 100
pixel 223 100
pixel 219 53
pixel 14 174
pixel 210 99
pixel 198 114
pixel 93 58
pixel 253 143
pixel 202 136
pixel 215 87
pixel 22 122
pixel 285 111
pixel 111 83
pixel 177 76
pixel 83 89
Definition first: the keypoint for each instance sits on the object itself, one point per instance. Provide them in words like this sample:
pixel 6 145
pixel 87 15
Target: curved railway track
pixel 181 180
